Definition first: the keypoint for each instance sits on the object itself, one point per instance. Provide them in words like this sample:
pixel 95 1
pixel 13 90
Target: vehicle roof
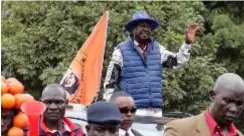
pixel 78 111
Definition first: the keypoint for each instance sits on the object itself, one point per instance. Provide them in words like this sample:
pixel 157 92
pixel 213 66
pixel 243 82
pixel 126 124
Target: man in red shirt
pixel 227 102
pixel 53 122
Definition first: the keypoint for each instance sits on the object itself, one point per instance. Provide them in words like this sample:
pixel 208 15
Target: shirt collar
pixel 68 126
pixel 136 43
pixel 213 126
pixel 122 132
pixel 143 48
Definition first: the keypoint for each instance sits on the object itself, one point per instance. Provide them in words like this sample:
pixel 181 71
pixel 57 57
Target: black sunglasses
pixel 126 110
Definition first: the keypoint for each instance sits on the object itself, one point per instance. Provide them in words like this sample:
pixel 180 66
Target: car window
pixel 146 125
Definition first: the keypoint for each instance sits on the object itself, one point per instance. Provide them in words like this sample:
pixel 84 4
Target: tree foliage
pixel 40 39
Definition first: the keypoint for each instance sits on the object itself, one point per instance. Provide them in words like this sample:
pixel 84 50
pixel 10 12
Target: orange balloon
pixel 22 98
pixel 8 101
pixel 15 86
pixel 21 120
pixel 15 131
pixel 4 88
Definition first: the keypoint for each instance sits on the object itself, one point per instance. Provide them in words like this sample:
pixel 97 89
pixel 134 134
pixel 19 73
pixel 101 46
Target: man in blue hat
pixel 136 65
pixel 103 119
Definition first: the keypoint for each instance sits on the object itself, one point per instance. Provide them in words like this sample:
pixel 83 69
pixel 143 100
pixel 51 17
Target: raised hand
pixel 190 32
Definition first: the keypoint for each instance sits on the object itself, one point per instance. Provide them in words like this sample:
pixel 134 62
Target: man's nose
pixel 233 108
pixel 107 133
pixel 129 113
pixel 52 106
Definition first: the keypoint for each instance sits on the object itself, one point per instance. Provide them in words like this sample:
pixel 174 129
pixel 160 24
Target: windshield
pixel 145 125
pixel 148 125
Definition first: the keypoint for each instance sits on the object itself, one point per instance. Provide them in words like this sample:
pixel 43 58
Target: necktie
pixel 127 134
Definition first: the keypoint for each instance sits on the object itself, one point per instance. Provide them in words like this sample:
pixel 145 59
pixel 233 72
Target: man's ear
pixel 67 104
pixel 212 95
pixel 87 128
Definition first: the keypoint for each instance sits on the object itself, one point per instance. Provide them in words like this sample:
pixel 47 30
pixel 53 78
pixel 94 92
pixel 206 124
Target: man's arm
pixel 175 60
pixel 113 74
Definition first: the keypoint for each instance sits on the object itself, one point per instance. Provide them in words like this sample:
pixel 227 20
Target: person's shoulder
pixel 183 124
pixel 126 42
pixel 78 130
pixel 75 128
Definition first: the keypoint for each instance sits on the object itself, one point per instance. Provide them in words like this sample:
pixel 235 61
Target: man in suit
pixel 227 102
pixel 103 119
pixel 127 109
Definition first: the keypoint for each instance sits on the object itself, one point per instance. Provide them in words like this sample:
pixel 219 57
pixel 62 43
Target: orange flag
pixel 83 77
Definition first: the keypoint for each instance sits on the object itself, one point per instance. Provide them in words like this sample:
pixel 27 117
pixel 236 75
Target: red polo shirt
pixel 69 127
pixel 215 129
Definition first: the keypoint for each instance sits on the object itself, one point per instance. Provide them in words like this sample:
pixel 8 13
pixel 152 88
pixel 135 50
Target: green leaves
pixel 40 39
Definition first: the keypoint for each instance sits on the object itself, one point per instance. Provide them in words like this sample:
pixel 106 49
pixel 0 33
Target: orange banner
pixel 83 77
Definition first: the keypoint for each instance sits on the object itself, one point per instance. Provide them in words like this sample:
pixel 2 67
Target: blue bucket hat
pixel 141 16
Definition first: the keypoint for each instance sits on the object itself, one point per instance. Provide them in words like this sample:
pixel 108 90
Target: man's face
pixel 227 105
pixel 142 31
pixel 6 119
pixel 102 130
pixel 56 104
pixel 127 110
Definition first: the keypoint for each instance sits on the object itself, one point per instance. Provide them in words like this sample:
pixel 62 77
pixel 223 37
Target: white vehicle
pixel 146 125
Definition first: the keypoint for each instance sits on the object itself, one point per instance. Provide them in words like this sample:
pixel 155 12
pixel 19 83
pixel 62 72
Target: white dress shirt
pixel 122 132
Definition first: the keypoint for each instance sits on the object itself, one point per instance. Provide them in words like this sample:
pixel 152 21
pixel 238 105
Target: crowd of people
pixel 115 117
pixel 133 86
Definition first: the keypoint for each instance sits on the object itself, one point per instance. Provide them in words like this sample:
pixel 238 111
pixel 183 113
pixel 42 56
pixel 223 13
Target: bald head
pixel 227 98
pixel 228 82
pixel 53 89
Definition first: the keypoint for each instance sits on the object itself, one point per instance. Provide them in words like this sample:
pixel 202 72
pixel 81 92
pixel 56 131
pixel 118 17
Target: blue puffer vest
pixel 141 77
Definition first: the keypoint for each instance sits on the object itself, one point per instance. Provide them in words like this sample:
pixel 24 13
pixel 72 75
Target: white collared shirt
pixel 122 132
